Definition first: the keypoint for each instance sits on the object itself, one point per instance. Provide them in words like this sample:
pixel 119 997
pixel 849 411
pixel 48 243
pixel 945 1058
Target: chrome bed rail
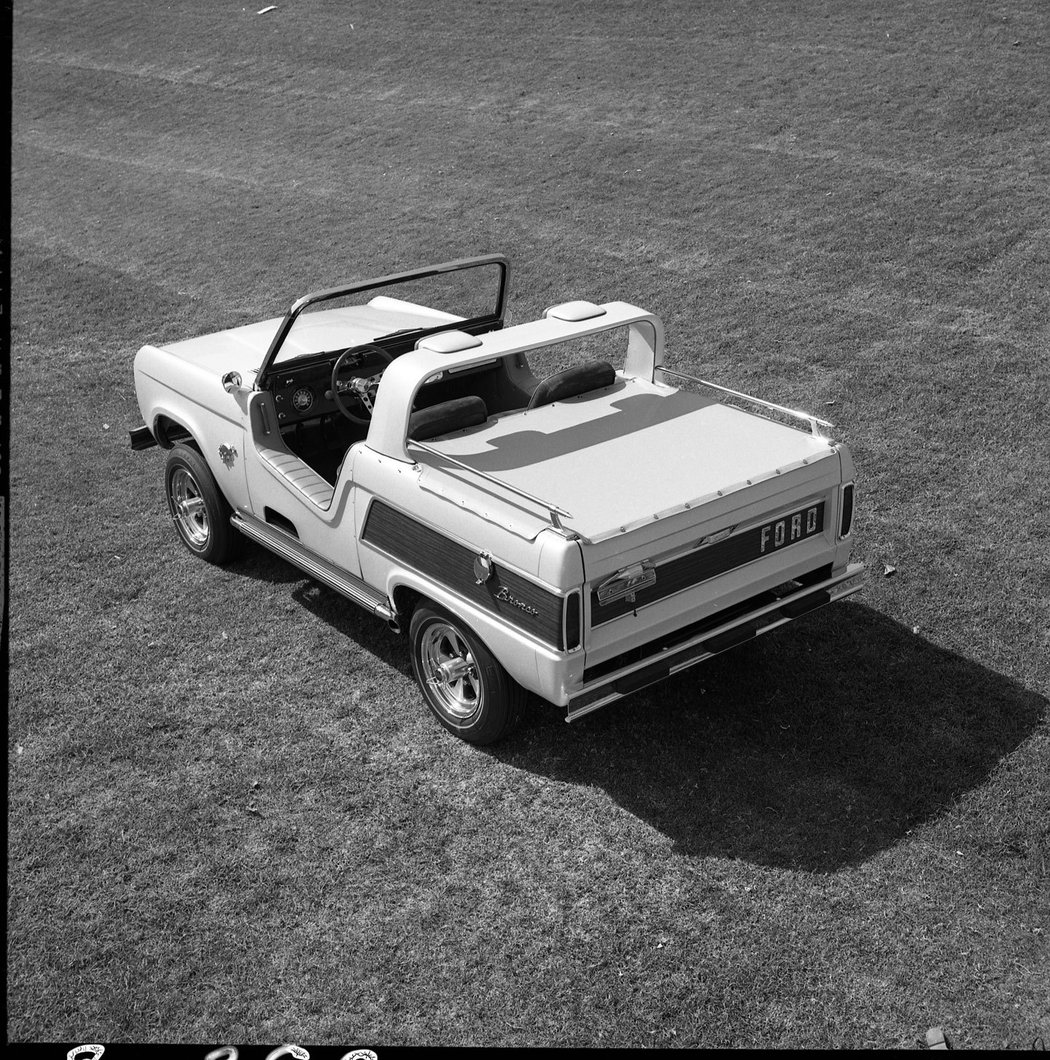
pixel 814 422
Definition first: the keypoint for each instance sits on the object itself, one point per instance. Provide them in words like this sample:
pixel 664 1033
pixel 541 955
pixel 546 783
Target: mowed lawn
pixel 230 816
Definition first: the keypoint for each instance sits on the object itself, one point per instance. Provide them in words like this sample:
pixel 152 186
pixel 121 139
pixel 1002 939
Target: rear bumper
pixel 687 648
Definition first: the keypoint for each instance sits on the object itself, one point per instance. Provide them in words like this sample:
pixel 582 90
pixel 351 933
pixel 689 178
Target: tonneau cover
pixel 621 457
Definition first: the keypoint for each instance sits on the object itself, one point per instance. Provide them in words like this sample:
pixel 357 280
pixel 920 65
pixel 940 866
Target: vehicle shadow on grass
pixel 344 617
pixel 261 565
pixel 813 748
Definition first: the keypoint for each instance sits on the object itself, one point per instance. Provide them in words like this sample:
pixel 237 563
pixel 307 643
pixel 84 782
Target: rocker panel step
pixel 285 546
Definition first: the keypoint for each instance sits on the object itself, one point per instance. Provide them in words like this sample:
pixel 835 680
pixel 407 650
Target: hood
pixel 235 349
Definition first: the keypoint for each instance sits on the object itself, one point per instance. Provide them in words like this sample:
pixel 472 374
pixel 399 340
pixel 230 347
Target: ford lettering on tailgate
pixel 791 528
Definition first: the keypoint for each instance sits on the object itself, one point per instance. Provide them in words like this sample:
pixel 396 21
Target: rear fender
pixel 532 664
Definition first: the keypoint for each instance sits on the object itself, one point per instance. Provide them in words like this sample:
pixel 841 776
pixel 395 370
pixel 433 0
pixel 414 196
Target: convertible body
pixel 579 536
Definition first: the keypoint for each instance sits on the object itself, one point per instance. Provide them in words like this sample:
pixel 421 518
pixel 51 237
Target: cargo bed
pixel 630 454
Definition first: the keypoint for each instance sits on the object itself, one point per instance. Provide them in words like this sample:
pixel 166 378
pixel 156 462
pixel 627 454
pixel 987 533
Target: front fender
pixel 192 407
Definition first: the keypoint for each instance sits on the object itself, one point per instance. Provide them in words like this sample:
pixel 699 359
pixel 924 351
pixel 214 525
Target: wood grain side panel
pixel 520 602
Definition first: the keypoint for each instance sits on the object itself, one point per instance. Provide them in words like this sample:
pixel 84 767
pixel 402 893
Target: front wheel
pixel 198 509
pixel 463 684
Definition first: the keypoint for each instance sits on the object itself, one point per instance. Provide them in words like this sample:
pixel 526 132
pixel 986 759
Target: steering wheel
pixel 363 387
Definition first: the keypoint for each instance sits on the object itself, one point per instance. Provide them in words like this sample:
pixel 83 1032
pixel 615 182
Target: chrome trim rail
pixel 555 513
pixel 684 655
pixel 814 422
pixel 287 547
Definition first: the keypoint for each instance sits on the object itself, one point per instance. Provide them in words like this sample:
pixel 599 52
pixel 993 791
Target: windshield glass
pixel 400 311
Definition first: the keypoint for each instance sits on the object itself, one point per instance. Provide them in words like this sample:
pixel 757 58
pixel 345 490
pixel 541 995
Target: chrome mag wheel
pixel 464 686
pixel 189 509
pixel 450 671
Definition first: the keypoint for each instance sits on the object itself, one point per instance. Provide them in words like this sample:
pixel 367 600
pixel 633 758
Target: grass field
pixel 232 819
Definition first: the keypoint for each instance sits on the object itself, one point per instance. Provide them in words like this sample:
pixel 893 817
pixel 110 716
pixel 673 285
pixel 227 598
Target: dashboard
pixel 302 390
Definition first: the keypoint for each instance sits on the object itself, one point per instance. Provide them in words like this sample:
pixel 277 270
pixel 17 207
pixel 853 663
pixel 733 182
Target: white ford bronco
pixel 578 533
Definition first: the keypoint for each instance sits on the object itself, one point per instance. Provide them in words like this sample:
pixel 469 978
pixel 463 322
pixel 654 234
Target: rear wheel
pixel 198 508
pixel 466 688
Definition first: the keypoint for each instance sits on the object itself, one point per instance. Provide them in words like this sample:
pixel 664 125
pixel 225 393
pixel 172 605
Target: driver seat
pixel 443 418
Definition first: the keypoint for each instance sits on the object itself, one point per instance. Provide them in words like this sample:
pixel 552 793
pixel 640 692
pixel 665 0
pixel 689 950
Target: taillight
pixel 846 508
pixel 573 621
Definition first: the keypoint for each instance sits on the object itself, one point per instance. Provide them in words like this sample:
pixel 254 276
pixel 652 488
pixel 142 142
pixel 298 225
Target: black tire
pixel 467 689
pixel 198 509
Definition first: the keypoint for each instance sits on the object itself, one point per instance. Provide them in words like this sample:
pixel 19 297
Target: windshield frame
pixel 476 325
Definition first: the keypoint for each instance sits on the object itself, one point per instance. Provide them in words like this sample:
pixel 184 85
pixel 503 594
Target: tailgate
pixel 676 571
